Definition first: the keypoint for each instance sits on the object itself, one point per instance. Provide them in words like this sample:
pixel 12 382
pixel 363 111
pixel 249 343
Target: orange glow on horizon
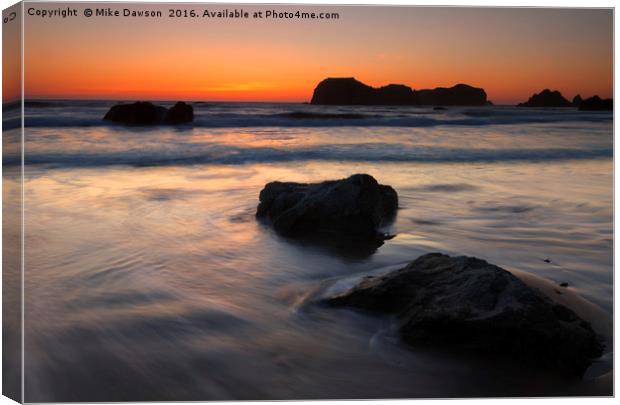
pixel 511 53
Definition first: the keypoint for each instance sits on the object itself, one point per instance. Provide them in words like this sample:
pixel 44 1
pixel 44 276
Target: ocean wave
pixel 224 154
pixel 64 113
pixel 316 115
pixel 325 120
pixel 11 123
pixel 62 122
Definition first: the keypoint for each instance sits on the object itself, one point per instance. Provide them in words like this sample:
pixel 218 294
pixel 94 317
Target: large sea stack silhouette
pixel 349 91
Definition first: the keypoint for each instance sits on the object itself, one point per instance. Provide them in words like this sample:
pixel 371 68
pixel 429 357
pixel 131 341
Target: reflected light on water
pixel 148 279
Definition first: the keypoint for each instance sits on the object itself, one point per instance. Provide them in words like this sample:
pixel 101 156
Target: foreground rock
pixel 596 104
pixel 352 209
pixel 468 303
pixel 146 113
pixel 349 91
pixel 547 98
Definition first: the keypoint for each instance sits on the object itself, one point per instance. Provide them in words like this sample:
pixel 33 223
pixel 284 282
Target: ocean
pixel 148 277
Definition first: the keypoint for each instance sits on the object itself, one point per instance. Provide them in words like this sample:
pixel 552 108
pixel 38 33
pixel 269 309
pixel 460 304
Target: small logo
pixel 10 17
pixel 88 12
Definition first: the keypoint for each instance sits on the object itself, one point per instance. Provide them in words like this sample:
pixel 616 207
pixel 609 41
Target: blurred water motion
pixel 155 282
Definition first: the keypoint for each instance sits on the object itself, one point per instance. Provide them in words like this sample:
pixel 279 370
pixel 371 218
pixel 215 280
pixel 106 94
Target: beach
pixel 148 276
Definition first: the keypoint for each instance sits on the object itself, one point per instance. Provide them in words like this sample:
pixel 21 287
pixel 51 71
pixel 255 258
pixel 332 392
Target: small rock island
pixel 547 98
pixel 147 113
pixel 553 98
pixel 597 104
pixel 349 91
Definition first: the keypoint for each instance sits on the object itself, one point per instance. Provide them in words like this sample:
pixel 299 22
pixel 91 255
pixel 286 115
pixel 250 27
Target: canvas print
pixel 276 202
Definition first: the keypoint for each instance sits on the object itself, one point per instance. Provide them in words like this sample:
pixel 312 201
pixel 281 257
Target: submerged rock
pixel 597 104
pixel 546 98
pixel 147 113
pixel 353 208
pixel 467 303
pixel 349 91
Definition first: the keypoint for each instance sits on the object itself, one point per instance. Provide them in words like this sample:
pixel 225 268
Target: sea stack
pixel 349 91
pixel 596 104
pixel 546 98
pixel 460 94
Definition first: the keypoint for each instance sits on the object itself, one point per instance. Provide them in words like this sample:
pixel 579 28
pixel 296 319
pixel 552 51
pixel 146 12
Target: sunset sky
pixel 511 53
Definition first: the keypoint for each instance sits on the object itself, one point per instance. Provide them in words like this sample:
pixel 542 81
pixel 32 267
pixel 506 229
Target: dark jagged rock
pixel 467 303
pixel 349 91
pixel 353 208
pixel 577 100
pixel 461 94
pixel 546 98
pixel 393 94
pixel 180 113
pixel 138 113
pixel 597 104
pixel 342 91
pixel 147 113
